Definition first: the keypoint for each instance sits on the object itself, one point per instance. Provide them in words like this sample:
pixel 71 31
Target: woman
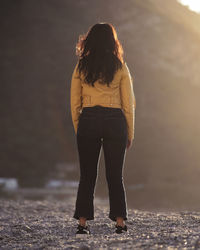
pixel 103 114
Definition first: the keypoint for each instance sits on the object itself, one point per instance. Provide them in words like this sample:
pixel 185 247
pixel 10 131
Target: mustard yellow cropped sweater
pixel 119 94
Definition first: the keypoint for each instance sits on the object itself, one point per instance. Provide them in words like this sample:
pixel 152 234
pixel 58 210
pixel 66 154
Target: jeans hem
pixel 87 217
pixel 113 217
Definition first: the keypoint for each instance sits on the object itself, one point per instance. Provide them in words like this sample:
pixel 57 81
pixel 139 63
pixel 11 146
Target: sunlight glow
pixel 193 5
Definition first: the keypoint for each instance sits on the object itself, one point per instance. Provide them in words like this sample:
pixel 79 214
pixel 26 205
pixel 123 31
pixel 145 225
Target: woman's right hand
pixel 129 144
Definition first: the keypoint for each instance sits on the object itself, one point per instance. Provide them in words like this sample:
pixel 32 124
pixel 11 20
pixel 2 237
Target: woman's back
pixel 119 94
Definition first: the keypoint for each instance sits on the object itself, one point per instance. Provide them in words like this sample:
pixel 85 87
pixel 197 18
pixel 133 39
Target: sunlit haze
pixel 193 5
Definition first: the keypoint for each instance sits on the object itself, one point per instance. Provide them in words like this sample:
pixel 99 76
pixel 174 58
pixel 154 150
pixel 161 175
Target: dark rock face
pixel 161 44
pixel 48 224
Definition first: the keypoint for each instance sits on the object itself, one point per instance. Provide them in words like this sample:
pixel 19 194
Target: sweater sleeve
pixel 75 98
pixel 128 100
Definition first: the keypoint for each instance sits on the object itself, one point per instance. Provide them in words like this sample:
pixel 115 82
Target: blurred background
pixel 38 152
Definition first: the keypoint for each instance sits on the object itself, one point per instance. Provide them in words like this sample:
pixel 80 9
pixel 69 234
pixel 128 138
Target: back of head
pixel 100 53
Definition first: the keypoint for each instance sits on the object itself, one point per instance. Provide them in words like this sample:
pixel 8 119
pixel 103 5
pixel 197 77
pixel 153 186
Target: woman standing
pixel 103 114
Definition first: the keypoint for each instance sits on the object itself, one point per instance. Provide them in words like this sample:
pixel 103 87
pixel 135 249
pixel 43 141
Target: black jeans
pixel 99 126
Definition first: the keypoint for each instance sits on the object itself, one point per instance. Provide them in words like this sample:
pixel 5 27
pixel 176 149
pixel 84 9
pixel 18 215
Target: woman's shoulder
pixel 126 72
pixel 125 68
pixel 76 71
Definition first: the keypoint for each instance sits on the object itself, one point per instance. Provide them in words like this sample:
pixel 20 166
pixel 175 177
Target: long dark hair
pixel 100 53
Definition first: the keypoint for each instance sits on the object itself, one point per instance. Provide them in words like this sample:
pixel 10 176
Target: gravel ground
pixel 27 224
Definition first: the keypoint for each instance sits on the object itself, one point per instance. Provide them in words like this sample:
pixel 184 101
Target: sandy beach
pixel 48 224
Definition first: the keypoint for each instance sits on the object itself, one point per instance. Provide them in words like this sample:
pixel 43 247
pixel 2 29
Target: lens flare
pixel 193 5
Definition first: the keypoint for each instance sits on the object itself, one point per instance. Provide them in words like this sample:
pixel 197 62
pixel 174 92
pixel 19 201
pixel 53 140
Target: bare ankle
pixel 82 221
pixel 120 221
